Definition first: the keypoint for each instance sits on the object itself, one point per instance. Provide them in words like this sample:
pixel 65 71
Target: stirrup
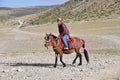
pixel 66 48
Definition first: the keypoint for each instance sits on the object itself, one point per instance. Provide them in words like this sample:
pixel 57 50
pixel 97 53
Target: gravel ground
pixel 39 66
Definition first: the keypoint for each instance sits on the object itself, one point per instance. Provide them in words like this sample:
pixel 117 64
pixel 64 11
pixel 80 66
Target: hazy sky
pixel 24 3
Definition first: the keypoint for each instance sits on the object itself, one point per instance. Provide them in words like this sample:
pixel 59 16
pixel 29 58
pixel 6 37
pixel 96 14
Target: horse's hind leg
pixel 80 57
pixel 75 58
pixel 64 65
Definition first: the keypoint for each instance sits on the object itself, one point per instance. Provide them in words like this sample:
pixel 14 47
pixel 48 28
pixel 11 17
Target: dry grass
pixel 100 36
pixel 107 26
pixel 81 10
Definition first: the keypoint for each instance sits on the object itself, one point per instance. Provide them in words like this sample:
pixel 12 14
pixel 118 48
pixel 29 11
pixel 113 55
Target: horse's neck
pixel 54 44
pixel 56 47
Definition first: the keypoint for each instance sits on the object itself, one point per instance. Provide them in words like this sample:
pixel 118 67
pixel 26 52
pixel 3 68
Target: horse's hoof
pixel 79 64
pixel 64 65
pixel 73 63
pixel 54 66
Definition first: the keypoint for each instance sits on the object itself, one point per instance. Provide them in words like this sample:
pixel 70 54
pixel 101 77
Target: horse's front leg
pixel 56 59
pixel 64 65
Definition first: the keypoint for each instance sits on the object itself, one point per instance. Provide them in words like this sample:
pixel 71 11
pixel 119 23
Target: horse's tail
pixel 86 52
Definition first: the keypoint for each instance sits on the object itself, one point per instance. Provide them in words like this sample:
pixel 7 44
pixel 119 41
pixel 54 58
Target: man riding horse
pixel 74 45
pixel 63 32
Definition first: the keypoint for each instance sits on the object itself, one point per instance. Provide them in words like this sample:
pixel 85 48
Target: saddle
pixel 72 43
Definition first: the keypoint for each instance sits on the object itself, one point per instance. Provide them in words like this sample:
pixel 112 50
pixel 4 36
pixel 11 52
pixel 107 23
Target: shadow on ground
pixel 47 65
pixel 33 64
pixel 29 64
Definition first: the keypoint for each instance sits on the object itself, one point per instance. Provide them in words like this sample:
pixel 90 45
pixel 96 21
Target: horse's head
pixel 49 40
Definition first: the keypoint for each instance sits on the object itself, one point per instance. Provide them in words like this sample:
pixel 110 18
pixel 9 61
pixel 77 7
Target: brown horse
pixel 51 40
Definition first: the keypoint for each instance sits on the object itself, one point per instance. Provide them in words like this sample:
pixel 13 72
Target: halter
pixel 49 40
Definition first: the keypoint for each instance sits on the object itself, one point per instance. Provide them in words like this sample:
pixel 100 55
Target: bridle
pixel 49 39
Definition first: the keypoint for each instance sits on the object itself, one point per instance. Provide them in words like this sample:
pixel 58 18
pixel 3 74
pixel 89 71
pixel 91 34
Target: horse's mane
pixel 55 37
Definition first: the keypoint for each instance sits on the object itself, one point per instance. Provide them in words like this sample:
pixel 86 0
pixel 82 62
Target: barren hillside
pixel 77 10
pixel 7 13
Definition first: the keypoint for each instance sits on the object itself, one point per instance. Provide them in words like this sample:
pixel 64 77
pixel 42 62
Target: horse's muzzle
pixel 45 45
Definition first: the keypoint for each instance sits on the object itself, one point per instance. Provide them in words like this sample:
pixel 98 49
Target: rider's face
pixel 59 22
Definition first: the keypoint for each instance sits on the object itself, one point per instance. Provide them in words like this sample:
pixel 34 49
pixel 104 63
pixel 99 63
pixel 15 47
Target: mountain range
pixel 73 10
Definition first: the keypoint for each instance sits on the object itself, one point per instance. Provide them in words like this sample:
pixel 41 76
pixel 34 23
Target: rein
pixel 56 44
pixel 52 41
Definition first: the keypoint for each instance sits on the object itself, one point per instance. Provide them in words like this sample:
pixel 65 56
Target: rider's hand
pixel 58 36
